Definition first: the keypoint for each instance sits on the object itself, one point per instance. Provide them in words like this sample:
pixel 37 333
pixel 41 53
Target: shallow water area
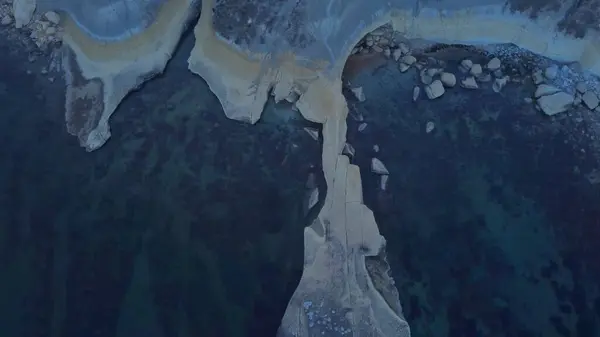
pixel 491 219
pixel 185 223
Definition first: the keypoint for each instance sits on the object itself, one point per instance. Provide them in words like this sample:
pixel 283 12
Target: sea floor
pixel 492 220
pixel 189 224
pixel 184 224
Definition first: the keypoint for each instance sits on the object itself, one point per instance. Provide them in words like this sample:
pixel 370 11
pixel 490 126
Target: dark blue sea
pixel 189 224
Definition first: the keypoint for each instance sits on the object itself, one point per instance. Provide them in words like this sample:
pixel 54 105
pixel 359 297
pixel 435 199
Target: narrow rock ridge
pixel 336 292
pixel 335 279
pixel 100 74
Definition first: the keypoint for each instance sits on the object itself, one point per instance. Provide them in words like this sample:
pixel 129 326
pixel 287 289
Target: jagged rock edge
pixel 320 96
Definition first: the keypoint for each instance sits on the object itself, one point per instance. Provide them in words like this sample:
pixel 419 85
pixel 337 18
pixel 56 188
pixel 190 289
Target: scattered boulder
pixel 537 77
pixel 494 64
pixel 435 89
pixel 448 79
pixel 476 70
pixel 416 92
pixel 404 48
pixel 408 59
pixel 433 71
pixel 581 87
pixel 397 54
pixel 429 127
pixel 499 83
pixel 23 12
pixel 403 67
pixel 551 72
pixel 383 180
pixel 362 127
pixel 359 94
pixel 465 65
pixel 555 103
pixel 469 83
pixel 425 78
pixel 348 150
pixel 6 20
pixel 545 89
pixel 590 99
pixel 312 132
pixel 378 167
pixel 52 17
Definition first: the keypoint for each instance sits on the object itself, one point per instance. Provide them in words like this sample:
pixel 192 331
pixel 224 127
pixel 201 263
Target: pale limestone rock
pixel 433 71
pixel 465 65
pixel 404 48
pixel 425 78
pixel 313 198
pixel 537 77
pixel 23 12
pixel 378 167
pixel 416 92
pixel 359 94
pixel 498 73
pixel 387 52
pixel 348 150
pixel 555 103
pixel 383 181
pixel 312 132
pixel 551 72
pixel 397 54
pixel 408 59
pixel 376 148
pixel 430 126
pixel 52 17
pixel 469 83
pixel 362 127
pixel 499 83
pixel 494 64
pixel 6 20
pixel 292 97
pixel 590 99
pixel 435 89
pixel 581 87
pixel 448 79
pixel 403 67
pixel 545 89
pixel 476 70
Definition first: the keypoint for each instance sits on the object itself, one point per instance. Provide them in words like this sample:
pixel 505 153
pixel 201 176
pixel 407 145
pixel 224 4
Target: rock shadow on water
pixel 491 224
pixel 184 224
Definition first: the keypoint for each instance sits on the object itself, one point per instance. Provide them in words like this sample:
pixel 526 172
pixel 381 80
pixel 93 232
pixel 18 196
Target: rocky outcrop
pixel 272 48
pixel 100 73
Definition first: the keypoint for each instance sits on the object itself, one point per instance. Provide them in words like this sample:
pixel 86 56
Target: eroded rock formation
pixel 297 50
pixel 105 56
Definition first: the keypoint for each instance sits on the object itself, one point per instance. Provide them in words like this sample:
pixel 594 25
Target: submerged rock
pixel 555 103
pixel 378 167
